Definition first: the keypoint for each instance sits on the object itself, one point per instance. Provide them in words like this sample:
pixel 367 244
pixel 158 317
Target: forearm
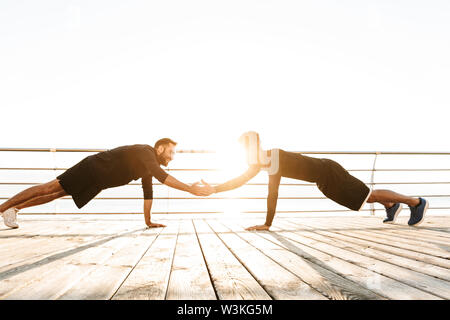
pixel 174 183
pixel 239 181
pixel 271 208
pixel 229 185
pixel 147 210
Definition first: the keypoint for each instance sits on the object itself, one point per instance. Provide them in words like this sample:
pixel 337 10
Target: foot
pixel 392 213
pixel 418 212
pixel 10 218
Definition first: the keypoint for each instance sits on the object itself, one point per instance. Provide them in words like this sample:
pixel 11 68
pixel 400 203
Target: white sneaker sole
pixel 395 215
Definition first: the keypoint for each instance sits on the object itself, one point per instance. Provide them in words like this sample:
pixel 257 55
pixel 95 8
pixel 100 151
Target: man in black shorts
pixel 330 177
pixel 104 170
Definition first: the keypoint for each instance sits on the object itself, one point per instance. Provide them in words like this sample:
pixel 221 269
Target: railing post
pixel 372 179
pixel 53 153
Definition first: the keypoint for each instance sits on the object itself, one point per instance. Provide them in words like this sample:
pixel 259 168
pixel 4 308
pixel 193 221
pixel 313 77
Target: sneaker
pixel 10 218
pixel 392 213
pixel 418 212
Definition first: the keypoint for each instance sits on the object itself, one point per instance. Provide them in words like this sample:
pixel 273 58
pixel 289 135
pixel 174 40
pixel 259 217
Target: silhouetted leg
pixel 41 200
pixel 388 198
pixel 47 190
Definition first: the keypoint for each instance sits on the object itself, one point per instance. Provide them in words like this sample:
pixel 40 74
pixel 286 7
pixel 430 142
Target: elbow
pixel 164 180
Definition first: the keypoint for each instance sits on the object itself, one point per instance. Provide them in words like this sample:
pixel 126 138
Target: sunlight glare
pixel 231 159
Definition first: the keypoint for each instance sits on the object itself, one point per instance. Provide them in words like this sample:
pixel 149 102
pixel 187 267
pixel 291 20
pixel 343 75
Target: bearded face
pixel 165 154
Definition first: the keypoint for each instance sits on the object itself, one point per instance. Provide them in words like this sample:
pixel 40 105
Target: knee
pixel 373 197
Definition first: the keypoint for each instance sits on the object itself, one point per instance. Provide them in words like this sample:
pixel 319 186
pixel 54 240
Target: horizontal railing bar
pixel 228 198
pixel 170 169
pixel 61 169
pixel 212 151
pixel 253 184
pixel 84 150
pixel 214 212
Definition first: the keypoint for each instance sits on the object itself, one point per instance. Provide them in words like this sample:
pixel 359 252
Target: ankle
pixel 415 203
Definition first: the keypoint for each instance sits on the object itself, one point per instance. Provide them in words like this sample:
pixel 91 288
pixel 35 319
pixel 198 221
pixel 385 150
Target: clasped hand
pixel 204 190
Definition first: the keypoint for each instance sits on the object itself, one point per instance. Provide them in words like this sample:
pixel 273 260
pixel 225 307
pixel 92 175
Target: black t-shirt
pixel 119 166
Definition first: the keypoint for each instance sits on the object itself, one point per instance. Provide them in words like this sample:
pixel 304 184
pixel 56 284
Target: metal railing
pixel 371 183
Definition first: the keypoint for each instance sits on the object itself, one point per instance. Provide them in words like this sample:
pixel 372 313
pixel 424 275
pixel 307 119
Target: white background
pixel 308 75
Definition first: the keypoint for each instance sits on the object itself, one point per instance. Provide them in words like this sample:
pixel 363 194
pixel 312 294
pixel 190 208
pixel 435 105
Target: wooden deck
pixel 212 257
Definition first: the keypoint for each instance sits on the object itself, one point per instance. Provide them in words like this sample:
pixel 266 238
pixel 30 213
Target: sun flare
pixel 231 159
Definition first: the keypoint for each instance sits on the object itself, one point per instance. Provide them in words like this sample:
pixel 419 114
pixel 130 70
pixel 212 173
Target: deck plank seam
pixel 137 262
pixel 171 262
pixel 276 262
pixel 240 261
pixel 362 266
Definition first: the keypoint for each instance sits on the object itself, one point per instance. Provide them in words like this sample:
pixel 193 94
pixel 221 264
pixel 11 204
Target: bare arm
pixel 174 183
pixel 239 181
pixel 194 189
pixel 148 215
pixel 272 197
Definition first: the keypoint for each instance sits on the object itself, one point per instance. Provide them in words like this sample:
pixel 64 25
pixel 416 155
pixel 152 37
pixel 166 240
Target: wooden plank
pixel 41 252
pixel 150 277
pixel 328 283
pixel 376 282
pixel 417 234
pixel 366 248
pixel 444 263
pixel 417 246
pixel 105 278
pixel 419 262
pixel 408 233
pixel 415 279
pixel 19 239
pixel 440 232
pixel 413 245
pixel 276 280
pixel 53 275
pixel 43 245
pixel 441 262
pixel 231 280
pixel 189 278
pixel 386 229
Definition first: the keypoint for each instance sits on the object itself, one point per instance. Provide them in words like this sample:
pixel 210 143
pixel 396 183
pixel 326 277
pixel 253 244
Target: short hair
pixel 164 141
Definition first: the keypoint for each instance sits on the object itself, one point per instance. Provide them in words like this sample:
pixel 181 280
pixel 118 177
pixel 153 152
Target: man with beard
pixel 112 168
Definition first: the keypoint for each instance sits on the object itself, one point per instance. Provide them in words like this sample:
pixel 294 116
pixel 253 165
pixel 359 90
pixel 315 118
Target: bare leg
pixel 388 198
pixel 41 190
pixel 41 200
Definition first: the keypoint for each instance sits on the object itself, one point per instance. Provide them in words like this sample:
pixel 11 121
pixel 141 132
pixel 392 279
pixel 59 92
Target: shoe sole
pixel 395 215
pixel 423 215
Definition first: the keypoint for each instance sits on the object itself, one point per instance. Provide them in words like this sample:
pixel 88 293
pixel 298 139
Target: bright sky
pixel 307 75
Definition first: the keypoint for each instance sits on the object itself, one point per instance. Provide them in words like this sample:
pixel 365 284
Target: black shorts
pixel 78 181
pixel 340 186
